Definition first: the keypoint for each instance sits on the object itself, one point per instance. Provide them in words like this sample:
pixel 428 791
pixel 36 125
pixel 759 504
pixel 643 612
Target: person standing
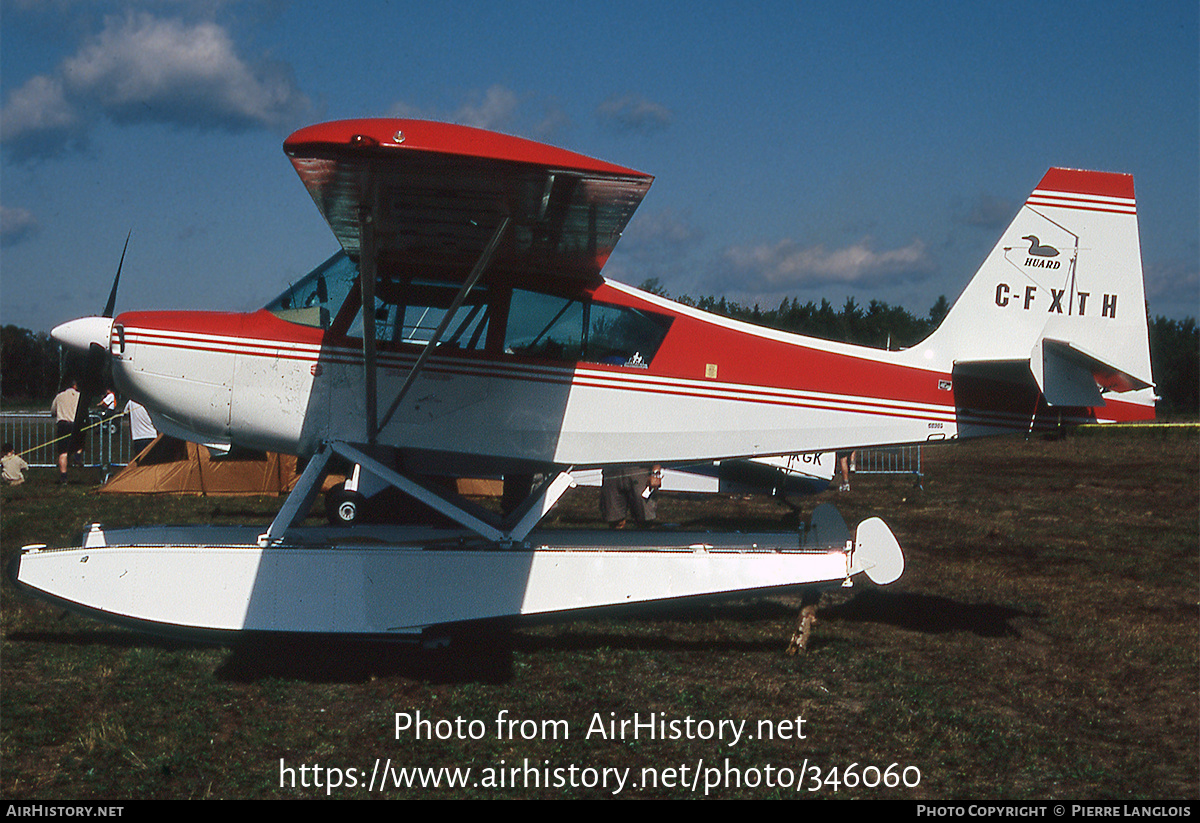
pixel 141 430
pixel 626 491
pixel 63 410
pixel 845 461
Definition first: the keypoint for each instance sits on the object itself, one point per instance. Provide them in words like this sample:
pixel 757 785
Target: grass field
pixel 1042 644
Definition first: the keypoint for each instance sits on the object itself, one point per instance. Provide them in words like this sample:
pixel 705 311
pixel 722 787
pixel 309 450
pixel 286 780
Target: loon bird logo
pixel 1036 249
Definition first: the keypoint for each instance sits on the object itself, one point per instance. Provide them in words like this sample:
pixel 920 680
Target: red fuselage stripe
pixel 595 378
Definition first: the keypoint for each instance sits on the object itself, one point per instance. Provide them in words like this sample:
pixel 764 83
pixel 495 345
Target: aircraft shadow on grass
pixel 928 613
pixel 485 654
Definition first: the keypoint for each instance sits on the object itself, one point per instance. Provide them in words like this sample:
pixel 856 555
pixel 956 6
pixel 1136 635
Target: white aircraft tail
pixel 1062 291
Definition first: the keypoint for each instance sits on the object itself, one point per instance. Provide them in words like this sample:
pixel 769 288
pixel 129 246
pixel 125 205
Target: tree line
pixel 32 364
pixel 29 366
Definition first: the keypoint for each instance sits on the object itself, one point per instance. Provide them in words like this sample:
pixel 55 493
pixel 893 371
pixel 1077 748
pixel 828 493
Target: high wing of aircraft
pixel 465 328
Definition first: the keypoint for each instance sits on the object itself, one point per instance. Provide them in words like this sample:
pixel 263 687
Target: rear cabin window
pixel 622 336
pixel 561 328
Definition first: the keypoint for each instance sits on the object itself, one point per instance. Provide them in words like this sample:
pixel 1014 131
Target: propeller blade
pixel 85 331
pixel 91 384
pixel 112 295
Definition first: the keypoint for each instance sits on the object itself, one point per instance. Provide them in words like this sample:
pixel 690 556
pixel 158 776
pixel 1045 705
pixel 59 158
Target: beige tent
pixel 170 466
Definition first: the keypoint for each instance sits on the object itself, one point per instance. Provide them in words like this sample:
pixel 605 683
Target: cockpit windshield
pixel 315 300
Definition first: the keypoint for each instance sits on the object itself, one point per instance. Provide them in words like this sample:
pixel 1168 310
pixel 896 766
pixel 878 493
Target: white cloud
pixel 39 111
pixel 143 68
pixel 985 212
pixel 787 265
pixel 16 225
pixel 632 112
pixel 665 229
pixel 657 245
pixel 554 122
pixel 406 111
pixel 1172 286
pixel 496 109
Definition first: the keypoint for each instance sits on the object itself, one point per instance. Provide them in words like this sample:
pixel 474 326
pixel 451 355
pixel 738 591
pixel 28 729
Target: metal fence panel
pixel 106 440
pixel 897 460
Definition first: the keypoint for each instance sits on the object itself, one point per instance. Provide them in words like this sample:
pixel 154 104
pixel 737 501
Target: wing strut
pixel 477 272
pixel 367 274
pixel 513 529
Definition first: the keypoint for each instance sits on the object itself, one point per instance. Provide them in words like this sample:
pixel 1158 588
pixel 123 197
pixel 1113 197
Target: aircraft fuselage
pixel 712 388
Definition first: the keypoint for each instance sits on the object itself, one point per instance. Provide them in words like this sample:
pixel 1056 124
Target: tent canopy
pixel 171 466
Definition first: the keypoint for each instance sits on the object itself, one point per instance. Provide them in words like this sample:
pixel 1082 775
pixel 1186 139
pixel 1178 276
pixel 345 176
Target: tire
pixel 344 508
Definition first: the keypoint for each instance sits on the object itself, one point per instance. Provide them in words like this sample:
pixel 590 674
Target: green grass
pixel 1043 644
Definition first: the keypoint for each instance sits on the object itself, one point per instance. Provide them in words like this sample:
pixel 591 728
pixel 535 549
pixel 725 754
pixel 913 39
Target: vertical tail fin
pixel 1063 291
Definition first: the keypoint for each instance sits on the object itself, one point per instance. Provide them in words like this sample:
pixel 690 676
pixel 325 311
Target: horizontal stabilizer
pixel 1069 376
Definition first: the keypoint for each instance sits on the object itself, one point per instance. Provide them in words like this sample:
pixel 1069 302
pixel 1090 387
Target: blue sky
pixel 842 149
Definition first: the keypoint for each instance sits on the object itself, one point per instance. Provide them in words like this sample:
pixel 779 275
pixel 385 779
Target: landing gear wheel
pixel 343 508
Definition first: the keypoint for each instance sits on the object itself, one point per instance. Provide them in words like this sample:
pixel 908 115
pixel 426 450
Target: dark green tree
pixel 1175 359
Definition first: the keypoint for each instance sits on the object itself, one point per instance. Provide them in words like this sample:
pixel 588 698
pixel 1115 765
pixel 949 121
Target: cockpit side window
pixel 315 300
pixel 544 325
pixel 425 307
pixel 410 311
pixel 493 317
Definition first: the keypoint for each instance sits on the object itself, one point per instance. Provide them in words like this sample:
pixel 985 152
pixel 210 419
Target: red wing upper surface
pixel 435 192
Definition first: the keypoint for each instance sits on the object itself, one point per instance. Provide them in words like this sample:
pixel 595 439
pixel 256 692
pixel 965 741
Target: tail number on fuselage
pixel 1027 300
